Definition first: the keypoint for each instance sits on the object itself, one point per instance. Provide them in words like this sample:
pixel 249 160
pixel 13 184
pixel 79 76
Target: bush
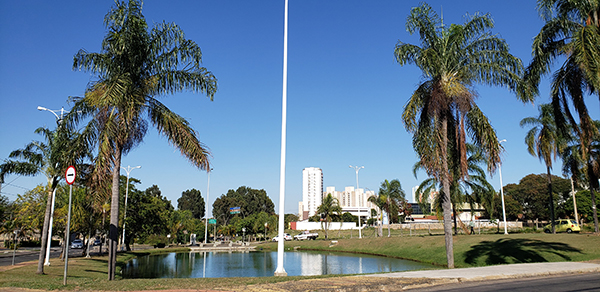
pixel 10 244
pixel 30 243
pixel 159 241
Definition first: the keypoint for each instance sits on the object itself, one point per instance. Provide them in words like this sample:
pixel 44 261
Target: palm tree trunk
pixel 446 203
pixel 551 200
pixel 46 226
pixel 380 223
pixel 594 211
pixel 389 220
pixel 454 213
pixel 113 231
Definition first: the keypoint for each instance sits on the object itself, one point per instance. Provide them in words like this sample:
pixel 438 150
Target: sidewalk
pixel 500 271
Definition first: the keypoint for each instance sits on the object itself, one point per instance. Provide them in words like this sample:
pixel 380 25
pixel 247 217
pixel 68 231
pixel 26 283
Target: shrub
pixel 155 240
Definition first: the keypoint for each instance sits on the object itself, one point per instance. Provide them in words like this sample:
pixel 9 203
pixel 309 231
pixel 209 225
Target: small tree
pixel 329 207
pixel 390 199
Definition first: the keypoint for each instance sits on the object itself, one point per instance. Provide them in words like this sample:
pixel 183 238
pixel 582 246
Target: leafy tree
pixel 532 194
pixel 513 207
pixel 329 207
pixel 147 214
pixel 347 217
pixel 51 158
pixel 29 207
pixel 545 142
pixel 134 66
pixel 290 218
pixel 584 206
pixel 250 201
pixel 192 200
pixel 571 35
pixel 452 60
pixel 179 225
pixel 258 225
pixel 4 208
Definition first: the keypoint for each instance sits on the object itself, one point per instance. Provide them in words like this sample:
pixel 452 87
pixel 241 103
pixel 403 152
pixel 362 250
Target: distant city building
pixel 301 213
pixel 353 201
pixel 312 191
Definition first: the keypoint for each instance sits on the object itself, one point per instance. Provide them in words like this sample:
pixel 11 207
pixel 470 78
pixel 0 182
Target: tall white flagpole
pixel 280 271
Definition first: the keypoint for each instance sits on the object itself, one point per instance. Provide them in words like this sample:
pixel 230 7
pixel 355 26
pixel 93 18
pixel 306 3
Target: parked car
pixel 286 236
pixel 77 243
pixel 563 225
pixel 306 235
pixel 97 242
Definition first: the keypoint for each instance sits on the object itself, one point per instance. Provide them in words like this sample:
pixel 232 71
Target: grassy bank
pixel 469 251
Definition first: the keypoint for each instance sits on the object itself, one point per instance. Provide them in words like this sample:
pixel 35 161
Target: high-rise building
pixel 312 190
pixel 354 201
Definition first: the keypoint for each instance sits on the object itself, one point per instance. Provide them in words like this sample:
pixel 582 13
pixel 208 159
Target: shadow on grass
pixel 504 251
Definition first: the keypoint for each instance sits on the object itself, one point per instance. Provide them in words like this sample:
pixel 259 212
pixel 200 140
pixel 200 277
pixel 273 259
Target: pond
pixel 261 264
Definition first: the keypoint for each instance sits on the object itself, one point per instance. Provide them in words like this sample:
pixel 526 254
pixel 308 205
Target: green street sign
pixel 212 221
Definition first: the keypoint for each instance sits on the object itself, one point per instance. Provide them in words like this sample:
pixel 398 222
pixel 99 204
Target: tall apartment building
pixel 354 201
pixel 312 191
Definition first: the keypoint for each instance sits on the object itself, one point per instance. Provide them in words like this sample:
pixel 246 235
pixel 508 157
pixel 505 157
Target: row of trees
pixel 135 65
pixel 442 114
pixel 150 215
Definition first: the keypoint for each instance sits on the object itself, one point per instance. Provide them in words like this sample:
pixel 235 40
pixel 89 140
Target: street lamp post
pixel 502 195
pixel 357 168
pixel 206 204
pixel 574 201
pixel 128 170
pixel 49 244
pixel 16 232
pixel 280 270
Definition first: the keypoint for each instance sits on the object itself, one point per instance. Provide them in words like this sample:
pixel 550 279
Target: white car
pixel 286 236
pixel 77 243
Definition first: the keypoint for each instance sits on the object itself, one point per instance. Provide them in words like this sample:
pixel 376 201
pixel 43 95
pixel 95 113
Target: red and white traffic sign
pixel 70 175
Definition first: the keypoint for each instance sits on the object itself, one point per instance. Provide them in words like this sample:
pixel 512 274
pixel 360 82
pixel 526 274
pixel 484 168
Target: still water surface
pixel 260 264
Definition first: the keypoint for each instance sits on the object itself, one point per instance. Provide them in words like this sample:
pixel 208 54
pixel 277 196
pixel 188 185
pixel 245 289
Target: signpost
pixel 70 176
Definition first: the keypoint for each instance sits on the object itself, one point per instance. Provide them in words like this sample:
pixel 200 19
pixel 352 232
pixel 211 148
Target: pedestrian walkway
pixel 500 271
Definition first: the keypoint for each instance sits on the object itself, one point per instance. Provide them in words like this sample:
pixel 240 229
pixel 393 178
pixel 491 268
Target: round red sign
pixel 70 175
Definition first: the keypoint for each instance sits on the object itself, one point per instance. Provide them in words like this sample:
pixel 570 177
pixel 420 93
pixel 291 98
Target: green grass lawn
pixel 469 251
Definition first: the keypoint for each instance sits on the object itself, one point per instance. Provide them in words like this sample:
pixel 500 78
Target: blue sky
pixel 345 90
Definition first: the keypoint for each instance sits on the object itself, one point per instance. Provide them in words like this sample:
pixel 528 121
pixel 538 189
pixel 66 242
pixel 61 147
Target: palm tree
pixel 134 66
pixel 389 199
pixel 329 207
pixel 51 159
pixel 545 142
pixel 474 189
pixel 584 171
pixel 572 34
pixel 452 60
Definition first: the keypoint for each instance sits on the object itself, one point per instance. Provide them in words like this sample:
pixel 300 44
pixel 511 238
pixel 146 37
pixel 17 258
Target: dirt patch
pixel 354 283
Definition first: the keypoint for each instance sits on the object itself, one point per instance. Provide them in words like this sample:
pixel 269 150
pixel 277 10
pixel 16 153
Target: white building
pixel 312 191
pixel 353 201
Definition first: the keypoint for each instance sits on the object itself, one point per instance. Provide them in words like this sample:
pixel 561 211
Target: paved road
pixel 556 283
pixel 6 256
